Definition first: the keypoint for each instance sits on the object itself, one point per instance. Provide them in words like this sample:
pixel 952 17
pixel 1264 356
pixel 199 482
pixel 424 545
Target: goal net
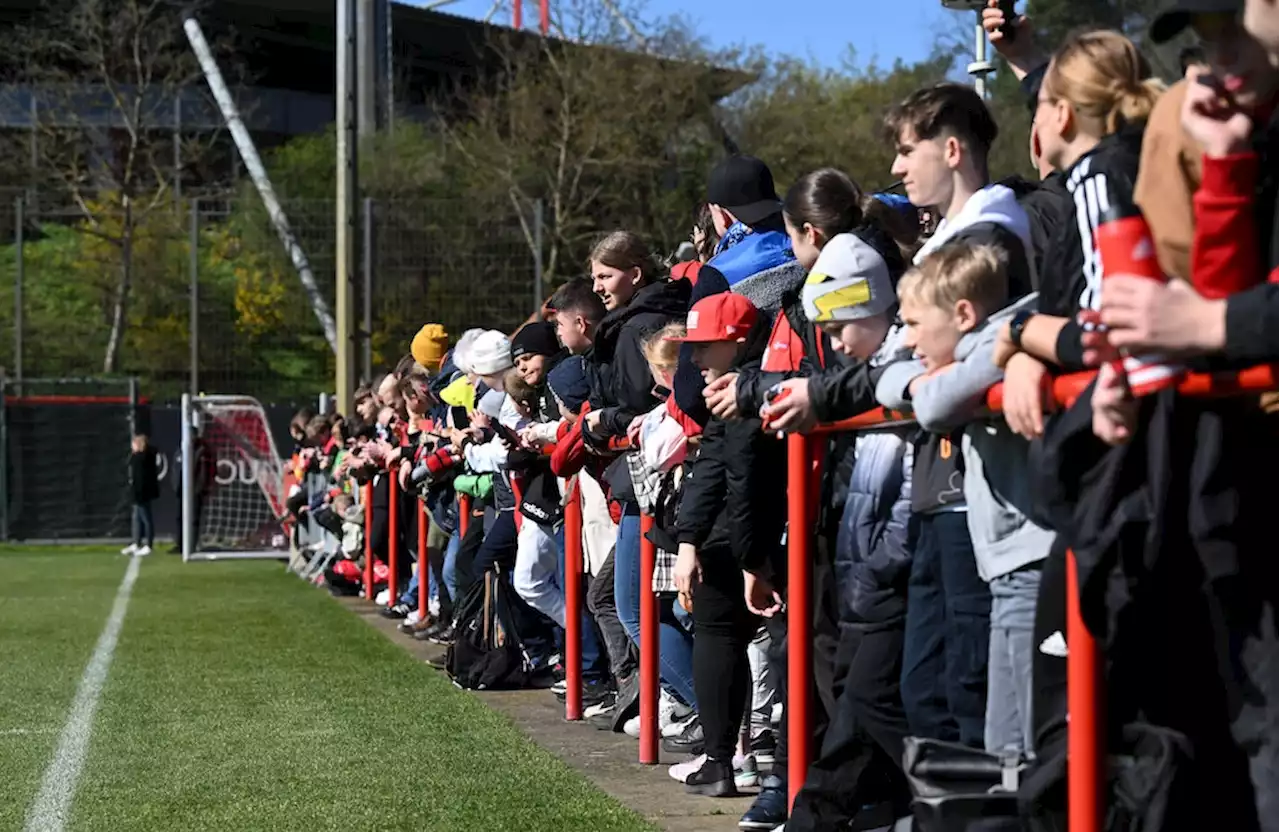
pixel 233 500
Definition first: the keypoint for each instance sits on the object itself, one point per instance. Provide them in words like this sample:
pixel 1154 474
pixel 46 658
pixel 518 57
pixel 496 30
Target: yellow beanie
pixel 460 393
pixel 428 346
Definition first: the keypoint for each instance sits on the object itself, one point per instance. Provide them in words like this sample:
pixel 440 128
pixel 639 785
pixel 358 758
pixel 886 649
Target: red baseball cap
pixel 721 317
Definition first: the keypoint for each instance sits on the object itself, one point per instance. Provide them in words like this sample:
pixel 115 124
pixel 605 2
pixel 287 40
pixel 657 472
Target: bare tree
pixel 603 130
pixel 108 78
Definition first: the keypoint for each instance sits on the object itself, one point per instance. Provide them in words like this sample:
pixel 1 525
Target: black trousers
pixel 826 638
pixel 604 608
pixel 722 629
pixel 859 763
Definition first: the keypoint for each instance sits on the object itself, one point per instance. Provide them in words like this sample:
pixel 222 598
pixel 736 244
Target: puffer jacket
pixel 621 386
pixel 873 558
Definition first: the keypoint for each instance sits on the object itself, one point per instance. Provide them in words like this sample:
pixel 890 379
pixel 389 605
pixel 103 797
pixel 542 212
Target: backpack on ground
pixel 487 653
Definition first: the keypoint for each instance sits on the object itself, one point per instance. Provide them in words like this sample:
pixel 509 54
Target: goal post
pixel 233 501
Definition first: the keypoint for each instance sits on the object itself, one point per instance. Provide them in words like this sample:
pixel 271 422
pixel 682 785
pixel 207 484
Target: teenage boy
pixel 943 134
pixel 578 313
pixel 948 303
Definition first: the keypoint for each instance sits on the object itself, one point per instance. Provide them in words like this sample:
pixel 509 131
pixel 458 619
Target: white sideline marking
pixel 52 807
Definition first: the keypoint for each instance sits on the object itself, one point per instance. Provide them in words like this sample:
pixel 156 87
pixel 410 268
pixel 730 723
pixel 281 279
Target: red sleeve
pixel 570 453
pixel 1224 253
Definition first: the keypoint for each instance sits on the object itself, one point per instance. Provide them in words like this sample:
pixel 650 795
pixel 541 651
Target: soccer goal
pixel 233 500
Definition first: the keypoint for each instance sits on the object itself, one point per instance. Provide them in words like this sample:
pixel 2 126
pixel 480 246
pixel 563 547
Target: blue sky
pixel 819 29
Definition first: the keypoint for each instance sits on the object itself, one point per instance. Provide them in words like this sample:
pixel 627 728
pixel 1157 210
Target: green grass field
pixel 240 698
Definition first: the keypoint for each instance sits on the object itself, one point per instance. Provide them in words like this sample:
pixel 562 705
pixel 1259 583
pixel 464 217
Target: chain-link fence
pixel 213 302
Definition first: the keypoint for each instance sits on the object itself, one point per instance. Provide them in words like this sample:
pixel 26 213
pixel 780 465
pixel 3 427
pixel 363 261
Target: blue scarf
pixel 742 252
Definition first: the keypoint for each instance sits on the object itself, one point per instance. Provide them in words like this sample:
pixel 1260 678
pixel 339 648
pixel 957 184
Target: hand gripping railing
pixel 1086 750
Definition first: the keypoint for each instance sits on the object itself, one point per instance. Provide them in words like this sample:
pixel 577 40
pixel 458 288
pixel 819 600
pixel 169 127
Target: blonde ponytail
pixel 1105 78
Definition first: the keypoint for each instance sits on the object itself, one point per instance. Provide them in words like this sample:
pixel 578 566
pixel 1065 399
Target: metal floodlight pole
pixel 19 275
pixel 347 203
pixel 538 288
pixel 259 175
pixel 366 302
pixel 188 479
pixel 193 335
pixel 981 67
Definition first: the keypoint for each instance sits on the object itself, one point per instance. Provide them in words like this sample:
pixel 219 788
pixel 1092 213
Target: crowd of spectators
pixel 1146 250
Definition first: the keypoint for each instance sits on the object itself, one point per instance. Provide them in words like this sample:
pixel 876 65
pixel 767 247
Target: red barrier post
pixel 573 604
pixel 648 647
pixel 799 610
pixel 423 564
pixel 367 495
pixel 1086 756
pixel 517 14
pixel 544 17
pixel 393 536
pixel 464 515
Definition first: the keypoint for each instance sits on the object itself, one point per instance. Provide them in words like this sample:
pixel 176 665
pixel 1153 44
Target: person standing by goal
pixel 145 489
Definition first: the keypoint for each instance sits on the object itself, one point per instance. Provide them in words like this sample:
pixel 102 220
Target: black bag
pixel 962 789
pixel 540 498
pixel 1142 793
pixel 487 653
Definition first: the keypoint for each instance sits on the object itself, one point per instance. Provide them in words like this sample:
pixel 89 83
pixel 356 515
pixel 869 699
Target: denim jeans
pixel 451 566
pixel 144 528
pixel 595 664
pixel 675 644
pixel 944 664
pixel 1009 677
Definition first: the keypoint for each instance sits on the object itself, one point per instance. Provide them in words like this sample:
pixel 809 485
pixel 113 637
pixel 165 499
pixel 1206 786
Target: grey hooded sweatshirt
pixel 996 482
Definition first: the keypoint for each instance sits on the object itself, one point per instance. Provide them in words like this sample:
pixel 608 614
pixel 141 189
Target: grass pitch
pixel 240 698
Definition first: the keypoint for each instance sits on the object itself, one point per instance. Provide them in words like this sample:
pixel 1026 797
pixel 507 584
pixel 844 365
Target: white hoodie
pixel 993 204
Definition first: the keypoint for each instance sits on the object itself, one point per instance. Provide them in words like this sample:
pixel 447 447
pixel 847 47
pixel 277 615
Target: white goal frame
pixel 191 417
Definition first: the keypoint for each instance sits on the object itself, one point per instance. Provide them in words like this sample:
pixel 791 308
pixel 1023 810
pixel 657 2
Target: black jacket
pixel 1048 207
pixel 143 482
pixel 730 500
pixel 1072 281
pixel 621 385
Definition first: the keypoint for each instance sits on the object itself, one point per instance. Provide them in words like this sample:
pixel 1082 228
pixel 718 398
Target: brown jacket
pixel 1168 176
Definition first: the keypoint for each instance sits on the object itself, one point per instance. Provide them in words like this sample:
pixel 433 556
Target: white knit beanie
pixel 490 353
pixel 462 352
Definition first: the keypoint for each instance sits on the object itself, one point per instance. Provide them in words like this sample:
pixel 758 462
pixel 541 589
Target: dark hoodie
pixel 621 385
pixel 730 499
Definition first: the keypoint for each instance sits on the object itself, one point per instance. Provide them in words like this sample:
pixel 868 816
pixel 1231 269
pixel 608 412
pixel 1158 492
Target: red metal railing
pixel 648 646
pixel 423 563
pixel 393 536
pixel 573 605
pixel 1086 753
pixel 366 492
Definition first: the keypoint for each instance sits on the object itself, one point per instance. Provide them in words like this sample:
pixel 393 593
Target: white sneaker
pixel 142 552
pixel 382 598
pixel 129 550
pixel 678 727
pixel 746 773
pixel 670 710
pixel 680 771
pixel 412 618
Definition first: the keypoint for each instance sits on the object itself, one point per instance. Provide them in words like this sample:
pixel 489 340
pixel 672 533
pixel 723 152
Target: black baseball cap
pixel 1170 22
pixel 743 185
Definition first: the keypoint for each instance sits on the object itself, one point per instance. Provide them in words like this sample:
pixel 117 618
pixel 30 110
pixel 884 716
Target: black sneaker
pixel 714 779
pixel 690 743
pixel 628 704
pixel 764 745
pixel 440 662
pixel 397 611
pixel 444 635
pixel 429 633
pixel 593 692
pixel 769 811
